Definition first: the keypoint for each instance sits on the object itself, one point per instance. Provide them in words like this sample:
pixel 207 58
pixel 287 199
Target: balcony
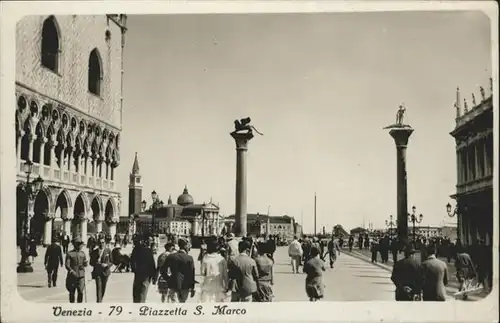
pixel 55 176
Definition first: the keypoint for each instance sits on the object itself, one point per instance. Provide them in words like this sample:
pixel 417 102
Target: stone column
pixel 241 140
pixel 47 230
pixel 83 228
pixel 70 161
pixel 88 163
pixel 20 135
pixel 61 158
pixel 94 166
pixel 42 151
pixel 98 226
pixel 401 136
pixel 112 230
pixel 67 227
pixel 32 139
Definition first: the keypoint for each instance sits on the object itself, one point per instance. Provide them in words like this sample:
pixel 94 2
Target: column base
pixel 25 266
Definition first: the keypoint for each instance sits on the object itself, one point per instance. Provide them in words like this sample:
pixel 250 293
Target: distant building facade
pixel 261 224
pixel 473 135
pixel 185 218
pixel 69 72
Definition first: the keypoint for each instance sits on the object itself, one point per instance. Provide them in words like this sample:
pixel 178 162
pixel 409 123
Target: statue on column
pixel 399 118
pixel 243 125
pixel 400 114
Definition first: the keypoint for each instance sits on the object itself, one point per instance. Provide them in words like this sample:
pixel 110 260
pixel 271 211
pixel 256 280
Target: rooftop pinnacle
pixel 135 167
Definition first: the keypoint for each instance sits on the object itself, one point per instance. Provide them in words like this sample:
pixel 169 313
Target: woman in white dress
pixel 214 270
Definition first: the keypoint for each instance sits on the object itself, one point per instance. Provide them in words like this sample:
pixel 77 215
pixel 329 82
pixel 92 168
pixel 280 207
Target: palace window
pixel 50 44
pixel 95 72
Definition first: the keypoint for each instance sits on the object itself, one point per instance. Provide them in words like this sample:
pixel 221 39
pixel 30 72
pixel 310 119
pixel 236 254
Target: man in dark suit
pixel 182 276
pixel 76 261
pixel 143 266
pixel 65 242
pixel 243 274
pixel 407 276
pixel 53 259
pixel 434 277
pixel 100 259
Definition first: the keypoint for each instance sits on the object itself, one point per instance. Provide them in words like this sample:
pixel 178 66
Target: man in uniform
pixel 76 261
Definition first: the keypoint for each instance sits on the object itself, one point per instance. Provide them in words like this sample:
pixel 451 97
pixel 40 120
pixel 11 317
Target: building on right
pixel 473 135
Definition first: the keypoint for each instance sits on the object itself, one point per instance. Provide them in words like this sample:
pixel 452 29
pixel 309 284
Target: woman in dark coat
pixel 314 269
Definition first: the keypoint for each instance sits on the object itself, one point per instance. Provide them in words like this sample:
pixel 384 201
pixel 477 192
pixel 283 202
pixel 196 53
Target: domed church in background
pixel 185 218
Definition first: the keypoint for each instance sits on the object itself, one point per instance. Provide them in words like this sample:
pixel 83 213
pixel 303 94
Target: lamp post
pixel 414 219
pixel 31 189
pixel 154 206
pixel 450 213
pixel 390 224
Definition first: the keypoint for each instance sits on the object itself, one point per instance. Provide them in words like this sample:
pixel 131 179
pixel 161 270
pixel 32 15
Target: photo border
pixel 16 309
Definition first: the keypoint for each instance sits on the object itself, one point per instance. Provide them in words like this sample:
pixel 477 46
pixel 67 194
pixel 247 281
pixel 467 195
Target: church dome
pixel 185 198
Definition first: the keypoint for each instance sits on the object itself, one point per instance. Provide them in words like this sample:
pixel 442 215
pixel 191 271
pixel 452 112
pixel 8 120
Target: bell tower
pixel 135 189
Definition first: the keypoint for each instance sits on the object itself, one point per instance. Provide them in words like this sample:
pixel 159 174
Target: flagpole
pixel 315 213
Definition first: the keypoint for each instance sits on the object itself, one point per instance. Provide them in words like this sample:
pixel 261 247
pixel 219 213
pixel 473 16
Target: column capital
pixel 113 220
pixel 241 139
pixel 32 137
pixel 401 136
pixel 20 133
pixel 50 216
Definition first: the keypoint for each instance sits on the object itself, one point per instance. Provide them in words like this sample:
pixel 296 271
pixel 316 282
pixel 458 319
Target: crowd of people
pixel 242 270
pixel 414 277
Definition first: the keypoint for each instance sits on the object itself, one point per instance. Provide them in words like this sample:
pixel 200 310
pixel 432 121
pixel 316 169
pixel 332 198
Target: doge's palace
pixel 69 75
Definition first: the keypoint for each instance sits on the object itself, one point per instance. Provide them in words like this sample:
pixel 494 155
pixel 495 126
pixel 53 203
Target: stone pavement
pixel 453 284
pixel 352 279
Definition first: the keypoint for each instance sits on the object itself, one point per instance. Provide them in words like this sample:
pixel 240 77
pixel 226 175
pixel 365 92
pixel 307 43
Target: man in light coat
pixel 434 277
pixel 295 253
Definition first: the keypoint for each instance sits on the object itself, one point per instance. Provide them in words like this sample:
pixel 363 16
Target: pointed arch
pixel 50 132
pixel 85 200
pixel 70 139
pixel 63 202
pixel 95 72
pixel 51 44
pixel 97 208
pixel 111 210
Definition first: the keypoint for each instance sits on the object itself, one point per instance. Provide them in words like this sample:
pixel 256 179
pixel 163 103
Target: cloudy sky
pixel 320 87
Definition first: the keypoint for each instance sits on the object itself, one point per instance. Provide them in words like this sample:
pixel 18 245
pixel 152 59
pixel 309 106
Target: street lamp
pixel 390 224
pixel 450 213
pixel 414 219
pixel 143 205
pixel 156 203
pixel 31 190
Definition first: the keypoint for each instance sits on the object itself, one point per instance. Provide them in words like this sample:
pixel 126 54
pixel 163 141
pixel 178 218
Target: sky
pixel 320 87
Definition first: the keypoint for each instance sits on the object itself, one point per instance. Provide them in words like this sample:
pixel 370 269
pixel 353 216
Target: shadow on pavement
pixel 382 283
pixel 32 286
pixel 371 276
